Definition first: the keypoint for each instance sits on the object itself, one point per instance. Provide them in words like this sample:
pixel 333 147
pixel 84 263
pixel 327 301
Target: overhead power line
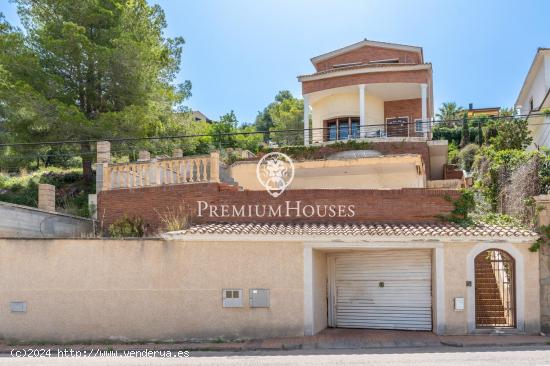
pixel 241 133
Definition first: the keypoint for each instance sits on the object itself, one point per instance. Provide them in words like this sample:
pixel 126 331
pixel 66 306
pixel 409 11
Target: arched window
pixel 495 301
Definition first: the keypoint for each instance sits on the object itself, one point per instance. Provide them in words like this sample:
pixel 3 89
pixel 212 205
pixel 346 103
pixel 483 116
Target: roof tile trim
pixel 413 230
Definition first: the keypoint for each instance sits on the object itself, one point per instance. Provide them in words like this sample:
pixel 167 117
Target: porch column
pixel 362 122
pixel 424 96
pixel 306 120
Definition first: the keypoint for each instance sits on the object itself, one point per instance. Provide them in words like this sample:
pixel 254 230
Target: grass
pixel 71 190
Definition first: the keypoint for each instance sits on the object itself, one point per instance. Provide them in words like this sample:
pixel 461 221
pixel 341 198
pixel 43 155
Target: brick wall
pixel 411 108
pixel 367 54
pixel 401 205
pixel 452 172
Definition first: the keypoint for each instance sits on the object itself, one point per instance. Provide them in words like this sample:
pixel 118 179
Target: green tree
pixel 465 138
pixel 449 113
pixel 248 139
pixel 88 69
pixel 512 134
pixel 226 125
pixel 264 120
pixel 285 113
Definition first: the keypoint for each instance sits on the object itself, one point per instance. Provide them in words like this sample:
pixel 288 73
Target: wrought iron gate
pixel 494 289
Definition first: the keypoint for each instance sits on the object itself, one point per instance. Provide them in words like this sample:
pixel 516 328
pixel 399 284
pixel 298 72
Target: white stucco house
pixel 534 98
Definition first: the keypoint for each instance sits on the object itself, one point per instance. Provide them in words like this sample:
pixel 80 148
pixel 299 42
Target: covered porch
pixel 366 111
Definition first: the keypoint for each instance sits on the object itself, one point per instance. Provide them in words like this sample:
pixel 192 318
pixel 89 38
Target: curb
pixel 473 345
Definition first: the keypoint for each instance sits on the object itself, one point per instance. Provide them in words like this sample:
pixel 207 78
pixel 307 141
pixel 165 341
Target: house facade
pixel 534 98
pixel 366 90
pixel 357 238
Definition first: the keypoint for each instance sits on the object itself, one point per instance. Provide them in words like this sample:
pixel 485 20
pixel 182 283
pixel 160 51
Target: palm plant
pixel 449 113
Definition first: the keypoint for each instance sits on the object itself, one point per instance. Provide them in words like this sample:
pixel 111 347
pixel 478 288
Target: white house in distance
pixel 534 97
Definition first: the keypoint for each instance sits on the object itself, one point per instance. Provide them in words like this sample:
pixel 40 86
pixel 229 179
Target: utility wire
pixel 237 133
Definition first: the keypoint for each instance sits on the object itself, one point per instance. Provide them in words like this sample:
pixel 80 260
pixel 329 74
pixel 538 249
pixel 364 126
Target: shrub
pixel 466 156
pixel 127 227
pixel 512 135
pixel 175 220
pixel 452 155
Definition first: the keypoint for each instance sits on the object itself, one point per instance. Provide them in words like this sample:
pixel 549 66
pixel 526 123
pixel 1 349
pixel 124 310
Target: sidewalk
pixel 327 339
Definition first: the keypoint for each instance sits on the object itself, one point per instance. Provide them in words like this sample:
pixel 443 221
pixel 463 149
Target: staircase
pixel 490 310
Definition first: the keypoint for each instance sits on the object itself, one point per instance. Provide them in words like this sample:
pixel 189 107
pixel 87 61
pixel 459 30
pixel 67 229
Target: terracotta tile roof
pixel 416 230
pixel 361 66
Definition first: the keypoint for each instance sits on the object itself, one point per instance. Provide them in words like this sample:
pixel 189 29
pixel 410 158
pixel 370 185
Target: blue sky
pixel 238 54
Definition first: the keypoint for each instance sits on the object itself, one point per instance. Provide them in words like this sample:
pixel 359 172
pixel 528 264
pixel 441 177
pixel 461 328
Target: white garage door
pixel 384 289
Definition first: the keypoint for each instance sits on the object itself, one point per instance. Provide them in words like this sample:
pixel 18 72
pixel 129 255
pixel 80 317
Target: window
pixel 341 128
pixel 343 131
pixel 332 135
pixel 355 128
pixel 420 126
pixel 232 298
pixel 386 61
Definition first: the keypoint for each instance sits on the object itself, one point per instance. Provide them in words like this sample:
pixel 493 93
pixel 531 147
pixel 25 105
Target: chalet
pixel 354 237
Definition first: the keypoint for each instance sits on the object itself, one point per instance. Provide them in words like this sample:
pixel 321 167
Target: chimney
pixel 46 197
pixel 471 106
pixel 144 155
pixel 103 151
pixel 177 153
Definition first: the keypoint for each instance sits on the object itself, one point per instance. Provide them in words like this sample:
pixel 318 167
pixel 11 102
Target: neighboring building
pixel 477 112
pixel 534 98
pixel 368 89
pixel 198 116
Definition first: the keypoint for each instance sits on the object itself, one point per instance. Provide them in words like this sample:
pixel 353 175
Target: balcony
pixel 348 128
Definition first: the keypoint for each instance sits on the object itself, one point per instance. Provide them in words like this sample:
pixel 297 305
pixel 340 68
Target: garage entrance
pixel 381 289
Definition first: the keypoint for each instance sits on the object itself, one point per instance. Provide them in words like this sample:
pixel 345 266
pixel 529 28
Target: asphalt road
pixel 517 356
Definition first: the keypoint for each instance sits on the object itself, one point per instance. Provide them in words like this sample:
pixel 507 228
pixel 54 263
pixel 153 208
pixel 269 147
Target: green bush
pixel 71 190
pixel 452 155
pixel 127 227
pixel 466 156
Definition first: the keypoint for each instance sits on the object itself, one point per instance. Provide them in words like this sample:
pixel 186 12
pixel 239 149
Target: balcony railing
pixel 344 133
pixel 158 172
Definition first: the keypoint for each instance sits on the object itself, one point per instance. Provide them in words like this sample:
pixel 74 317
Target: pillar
pixel 306 120
pixel 46 197
pixel 362 122
pixel 103 152
pixel 543 219
pixel 308 291
pixel 214 166
pixel 144 155
pixel 424 97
